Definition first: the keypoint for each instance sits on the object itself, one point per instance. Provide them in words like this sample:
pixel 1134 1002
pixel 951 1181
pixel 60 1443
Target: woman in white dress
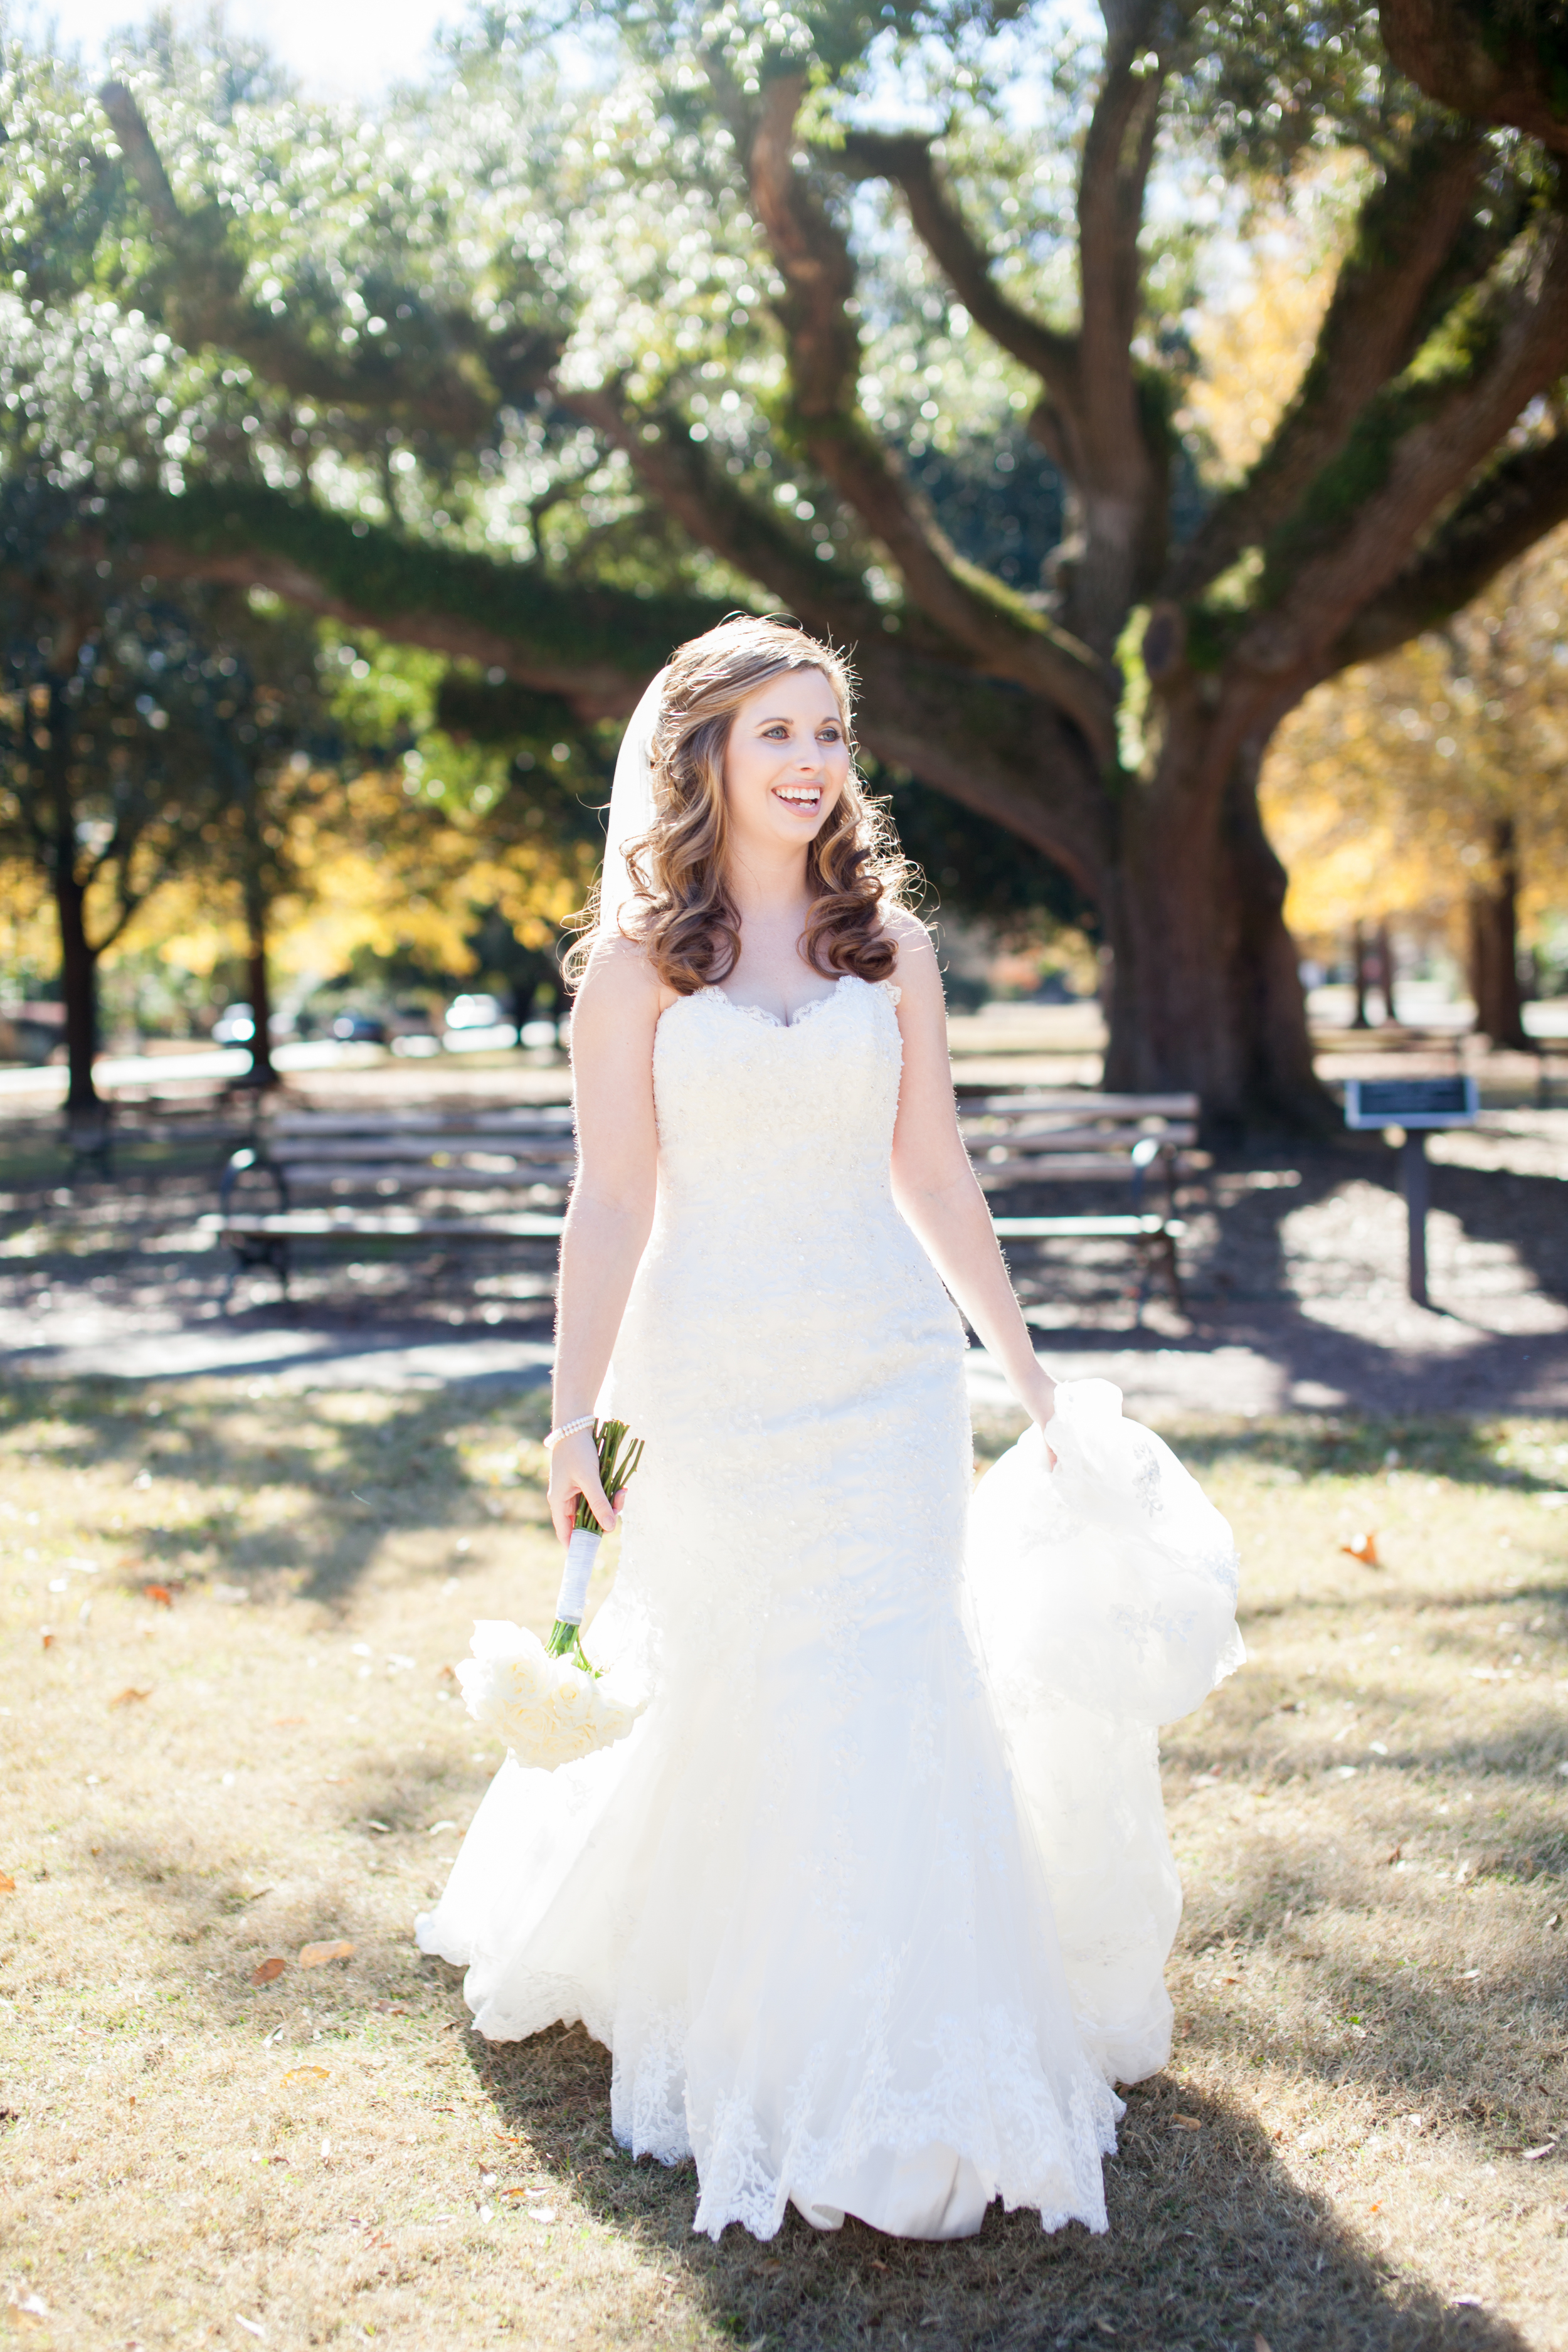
pixel 871 1907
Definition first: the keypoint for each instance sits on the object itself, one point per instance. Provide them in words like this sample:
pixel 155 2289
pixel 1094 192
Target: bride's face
pixel 786 762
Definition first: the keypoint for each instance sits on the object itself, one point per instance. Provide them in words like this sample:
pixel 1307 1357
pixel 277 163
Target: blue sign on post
pixel 1415 1104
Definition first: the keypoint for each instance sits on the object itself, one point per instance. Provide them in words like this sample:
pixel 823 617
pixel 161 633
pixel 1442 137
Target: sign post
pixel 1413 1105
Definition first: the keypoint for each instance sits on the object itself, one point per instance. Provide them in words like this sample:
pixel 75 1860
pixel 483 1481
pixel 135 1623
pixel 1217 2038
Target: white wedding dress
pixel 871 1907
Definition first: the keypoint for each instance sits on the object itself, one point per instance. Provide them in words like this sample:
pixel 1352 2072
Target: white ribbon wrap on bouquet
pixel 581 1551
pixel 1105 1595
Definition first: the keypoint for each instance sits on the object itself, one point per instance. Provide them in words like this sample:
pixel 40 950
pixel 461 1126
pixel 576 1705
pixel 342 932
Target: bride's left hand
pixel 1042 1409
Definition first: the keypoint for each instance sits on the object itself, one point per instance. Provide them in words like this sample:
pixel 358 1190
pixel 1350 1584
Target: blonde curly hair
pixel 681 912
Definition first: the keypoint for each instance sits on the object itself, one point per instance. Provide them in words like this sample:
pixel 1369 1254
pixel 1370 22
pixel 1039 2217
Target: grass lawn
pixel 230 1732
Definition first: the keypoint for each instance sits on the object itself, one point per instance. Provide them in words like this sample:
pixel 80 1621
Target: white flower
pixel 547 1709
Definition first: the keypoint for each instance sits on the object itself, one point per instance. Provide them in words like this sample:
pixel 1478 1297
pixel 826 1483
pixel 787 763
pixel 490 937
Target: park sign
pixel 1410 1106
pixel 1410 1102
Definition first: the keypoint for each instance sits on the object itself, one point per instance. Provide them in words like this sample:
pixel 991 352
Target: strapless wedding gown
pixel 871 1907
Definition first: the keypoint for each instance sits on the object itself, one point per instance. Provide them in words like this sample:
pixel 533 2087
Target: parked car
pixel 359 1029
pixel 32 1032
pixel 475 1012
pixel 413 1031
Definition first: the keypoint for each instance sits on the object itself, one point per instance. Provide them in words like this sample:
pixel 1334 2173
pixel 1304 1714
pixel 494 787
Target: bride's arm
pixel 935 1186
pixel 607 1224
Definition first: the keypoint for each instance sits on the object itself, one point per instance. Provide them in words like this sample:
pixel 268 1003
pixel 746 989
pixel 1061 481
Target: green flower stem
pixel 619 1457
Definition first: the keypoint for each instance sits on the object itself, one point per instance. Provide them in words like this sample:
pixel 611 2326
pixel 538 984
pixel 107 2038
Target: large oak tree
pixel 546 374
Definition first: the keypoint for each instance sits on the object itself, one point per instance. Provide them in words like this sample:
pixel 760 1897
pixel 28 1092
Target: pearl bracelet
pixel 568 1429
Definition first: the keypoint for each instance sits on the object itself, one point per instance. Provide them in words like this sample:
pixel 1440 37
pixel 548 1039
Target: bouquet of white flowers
pixel 544 1700
pixel 547 1710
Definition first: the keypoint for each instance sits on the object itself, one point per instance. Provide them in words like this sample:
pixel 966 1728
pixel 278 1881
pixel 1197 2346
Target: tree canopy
pixel 548 364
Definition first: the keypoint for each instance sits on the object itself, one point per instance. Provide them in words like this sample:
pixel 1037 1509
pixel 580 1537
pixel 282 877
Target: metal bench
pixel 392 1178
pixel 1057 1135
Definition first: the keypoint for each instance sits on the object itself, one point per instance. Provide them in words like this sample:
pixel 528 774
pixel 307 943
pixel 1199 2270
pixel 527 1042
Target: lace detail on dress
pixel 771 1019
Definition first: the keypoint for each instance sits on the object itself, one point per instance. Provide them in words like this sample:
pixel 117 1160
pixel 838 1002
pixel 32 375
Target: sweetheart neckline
pixel 760 1014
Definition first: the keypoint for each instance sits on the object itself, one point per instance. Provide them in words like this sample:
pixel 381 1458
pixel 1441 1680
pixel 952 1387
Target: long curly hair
pixel 680 911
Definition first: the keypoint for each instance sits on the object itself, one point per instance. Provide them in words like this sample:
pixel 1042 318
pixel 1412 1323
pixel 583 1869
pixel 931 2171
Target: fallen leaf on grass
pixel 316 1955
pixel 48 1639
pixel 1362 1548
pixel 1186 2123
pixel 251 2326
pixel 267 1971
pixel 1260 2344
pixel 287 1722
pixel 307 2075
pixel 1534 2155
pixel 128 1696
pixel 160 1593
pixel 7 1884
pixel 384 1827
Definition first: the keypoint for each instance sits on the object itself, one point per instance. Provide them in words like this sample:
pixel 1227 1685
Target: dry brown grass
pixel 1370 1980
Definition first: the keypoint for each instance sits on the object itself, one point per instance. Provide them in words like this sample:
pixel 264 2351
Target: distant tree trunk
pixel 1206 992
pixel 261 1072
pixel 1385 971
pixel 1493 911
pixel 79 961
pixel 1360 1019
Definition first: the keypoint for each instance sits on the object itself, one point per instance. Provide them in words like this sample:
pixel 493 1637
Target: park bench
pixel 396 1178
pixel 392 1178
pixel 1068 1135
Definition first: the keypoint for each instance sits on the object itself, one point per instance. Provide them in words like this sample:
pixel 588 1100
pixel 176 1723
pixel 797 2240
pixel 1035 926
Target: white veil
pixel 631 805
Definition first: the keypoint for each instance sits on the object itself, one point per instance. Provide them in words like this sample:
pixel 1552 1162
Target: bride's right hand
pixel 574 1472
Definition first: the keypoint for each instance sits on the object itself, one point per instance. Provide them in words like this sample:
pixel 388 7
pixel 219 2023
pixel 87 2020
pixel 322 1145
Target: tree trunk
pixel 1385 972
pixel 78 988
pixel 261 1072
pixel 1493 909
pixel 1206 995
pixel 1360 1018
pixel 79 962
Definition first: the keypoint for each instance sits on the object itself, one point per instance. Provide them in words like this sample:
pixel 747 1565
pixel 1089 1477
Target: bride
pixel 872 1905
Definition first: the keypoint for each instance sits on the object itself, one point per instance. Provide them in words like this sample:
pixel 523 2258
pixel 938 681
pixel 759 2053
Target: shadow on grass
pixel 392 1469
pixel 1211 2243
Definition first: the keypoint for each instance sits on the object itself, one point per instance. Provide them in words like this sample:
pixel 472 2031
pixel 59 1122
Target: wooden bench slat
pixel 1109 1228
pixel 1091 1105
pixel 548 1116
pixel 428 1167
pixel 1019 1136
pixel 304 1224
pixel 1018 1166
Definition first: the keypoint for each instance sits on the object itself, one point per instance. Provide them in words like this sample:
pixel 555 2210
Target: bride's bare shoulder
pixel 618 982
pixel 913 946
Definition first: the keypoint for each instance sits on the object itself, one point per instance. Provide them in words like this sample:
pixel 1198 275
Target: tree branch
pixel 1408 228
pixel 1413 452
pixel 1489 68
pixel 964 737
pixel 453 379
pixel 1500 519
pixel 679 474
pixel 1119 476
pixel 597 647
pixel 909 163
pixel 999 633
